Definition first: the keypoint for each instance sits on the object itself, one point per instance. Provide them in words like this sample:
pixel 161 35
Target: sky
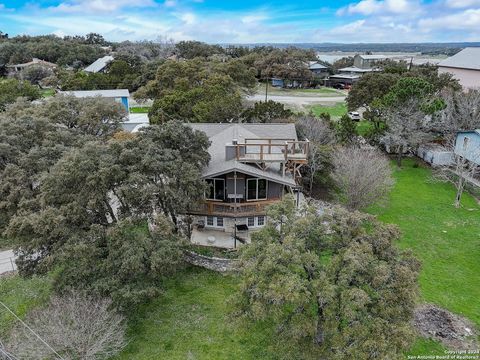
pixel 246 21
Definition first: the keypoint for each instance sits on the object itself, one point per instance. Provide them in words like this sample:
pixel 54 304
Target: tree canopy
pixel 337 279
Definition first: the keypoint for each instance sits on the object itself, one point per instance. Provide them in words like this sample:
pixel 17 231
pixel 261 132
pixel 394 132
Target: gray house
pixel 252 166
pixel 121 96
pixel 467 145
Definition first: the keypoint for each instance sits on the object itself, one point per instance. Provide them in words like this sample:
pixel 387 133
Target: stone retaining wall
pixel 211 263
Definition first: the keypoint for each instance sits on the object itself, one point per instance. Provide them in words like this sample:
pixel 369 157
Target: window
pixel 256 189
pixel 251 222
pixel 214 222
pixel 260 220
pixel 216 189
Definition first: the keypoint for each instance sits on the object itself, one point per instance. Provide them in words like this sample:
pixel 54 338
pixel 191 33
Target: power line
pixel 31 330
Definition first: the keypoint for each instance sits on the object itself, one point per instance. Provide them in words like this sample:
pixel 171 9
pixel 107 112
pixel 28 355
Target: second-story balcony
pixel 232 209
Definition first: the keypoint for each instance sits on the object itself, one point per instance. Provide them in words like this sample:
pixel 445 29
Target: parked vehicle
pixel 340 86
pixel 354 115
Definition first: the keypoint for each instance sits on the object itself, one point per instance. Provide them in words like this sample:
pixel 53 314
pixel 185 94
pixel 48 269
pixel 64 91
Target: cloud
pixel 370 7
pixel 465 20
pixel 459 4
pixel 94 6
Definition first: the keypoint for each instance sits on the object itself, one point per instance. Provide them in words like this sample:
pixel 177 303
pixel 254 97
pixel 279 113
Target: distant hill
pixel 424 48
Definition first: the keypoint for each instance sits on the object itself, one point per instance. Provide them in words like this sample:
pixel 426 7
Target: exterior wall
pixel 469 79
pixel 274 190
pixel 359 62
pixel 472 150
pixel 125 103
pixel 240 184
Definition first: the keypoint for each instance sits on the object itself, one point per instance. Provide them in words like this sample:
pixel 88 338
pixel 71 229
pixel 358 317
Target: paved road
pixel 299 100
pixel 7 261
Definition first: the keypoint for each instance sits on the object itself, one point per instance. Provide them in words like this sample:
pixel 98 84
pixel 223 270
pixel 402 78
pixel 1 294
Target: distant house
pixel 467 145
pixel 464 66
pixel 367 61
pixel 119 95
pixel 317 69
pixel 346 79
pixel 14 69
pixel 252 166
pixel 99 65
pixel 277 82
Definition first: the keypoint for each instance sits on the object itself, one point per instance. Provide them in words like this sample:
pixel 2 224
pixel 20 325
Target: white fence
pixel 7 261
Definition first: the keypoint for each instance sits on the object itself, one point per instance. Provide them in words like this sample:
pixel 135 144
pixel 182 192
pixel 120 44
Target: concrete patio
pixel 217 238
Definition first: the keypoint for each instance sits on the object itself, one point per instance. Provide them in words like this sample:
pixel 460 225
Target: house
pixel 276 82
pixel 14 69
pixel 119 95
pixel 317 69
pixel 367 61
pixel 464 66
pixel 252 166
pixel 100 65
pixel 345 79
pixel 467 145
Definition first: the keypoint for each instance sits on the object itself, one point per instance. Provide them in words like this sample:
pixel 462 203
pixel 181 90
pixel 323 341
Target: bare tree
pixel 76 326
pixel 363 177
pixel 321 136
pixel 465 167
pixel 462 112
pixel 406 127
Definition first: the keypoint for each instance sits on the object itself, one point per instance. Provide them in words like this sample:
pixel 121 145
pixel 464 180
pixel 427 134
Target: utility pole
pixel 266 90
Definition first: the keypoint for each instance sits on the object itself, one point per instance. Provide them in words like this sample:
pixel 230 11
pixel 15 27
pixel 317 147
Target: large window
pixel 216 189
pixel 256 189
pixel 215 222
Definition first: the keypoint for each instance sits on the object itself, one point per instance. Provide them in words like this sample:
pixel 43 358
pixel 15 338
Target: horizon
pixel 247 22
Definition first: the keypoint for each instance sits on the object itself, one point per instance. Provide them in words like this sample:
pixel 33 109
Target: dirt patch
pixel 451 330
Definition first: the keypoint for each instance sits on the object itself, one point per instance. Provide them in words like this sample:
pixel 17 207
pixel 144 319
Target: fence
pixel 7 264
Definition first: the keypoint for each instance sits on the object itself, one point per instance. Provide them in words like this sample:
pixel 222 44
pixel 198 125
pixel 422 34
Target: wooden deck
pixel 243 209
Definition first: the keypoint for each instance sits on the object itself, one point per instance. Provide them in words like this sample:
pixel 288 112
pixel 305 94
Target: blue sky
pixel 249 21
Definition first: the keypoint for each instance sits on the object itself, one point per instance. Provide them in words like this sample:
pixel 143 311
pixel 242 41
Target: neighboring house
pixel 100 65
pixel 252 166
pixel 367 61
pixel 346 79
pixel 276 82
pixel 464 66
pixel 119 95
pixel 15 69
pixel 317 69
pixel 467 145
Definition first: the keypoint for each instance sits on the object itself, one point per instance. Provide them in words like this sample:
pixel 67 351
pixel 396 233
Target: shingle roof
pixel 355 69
pixel 221 135
pixel 99 64
pixel 115 93
pixel 468 58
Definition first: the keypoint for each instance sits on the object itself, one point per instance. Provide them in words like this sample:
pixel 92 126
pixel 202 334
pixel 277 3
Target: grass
pixel 445 239
pixel 47 92
pixel 140 109
pixel 363 127
pixel 21 295
pixel 335 111
pixel 6 243
pixel 190 321
pixel 322 91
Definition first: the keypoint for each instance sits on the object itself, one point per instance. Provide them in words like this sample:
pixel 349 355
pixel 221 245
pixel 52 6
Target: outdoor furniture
pixel 211 239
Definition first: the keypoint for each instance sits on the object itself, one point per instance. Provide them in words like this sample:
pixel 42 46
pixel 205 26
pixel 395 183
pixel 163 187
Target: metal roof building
pixel 99 65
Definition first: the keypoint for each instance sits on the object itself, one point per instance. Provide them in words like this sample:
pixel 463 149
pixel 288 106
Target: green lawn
pixel 335 111
pixel 322 91
pixel 47 92
pixel 191 321
pixel 21 295
pixel 139 109
pixel 445 239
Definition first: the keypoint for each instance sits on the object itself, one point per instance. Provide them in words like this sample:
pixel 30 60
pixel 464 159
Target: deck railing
pixel 277 150
pixel 247 208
